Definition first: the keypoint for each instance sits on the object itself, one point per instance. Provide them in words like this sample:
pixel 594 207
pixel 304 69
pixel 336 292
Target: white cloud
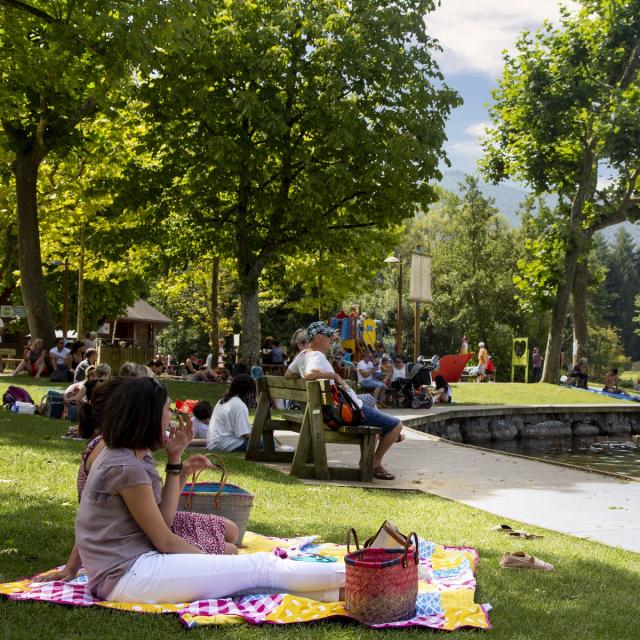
pixel 473 33
pixel 477 130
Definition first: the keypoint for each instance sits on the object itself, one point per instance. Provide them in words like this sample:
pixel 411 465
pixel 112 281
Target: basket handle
pixel 405 561
pixel 217 463
pixel 355 537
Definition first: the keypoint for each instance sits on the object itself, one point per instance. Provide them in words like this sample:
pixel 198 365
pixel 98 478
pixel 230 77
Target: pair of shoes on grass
pixel 521 560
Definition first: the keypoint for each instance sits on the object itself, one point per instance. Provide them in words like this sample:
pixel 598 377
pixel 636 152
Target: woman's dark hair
pixel 243 386
pixel 90 387
pixel 128 412
pixel 86 420
pixel 202 410
pixel 441 383
pixel 76 346
pixel 238 368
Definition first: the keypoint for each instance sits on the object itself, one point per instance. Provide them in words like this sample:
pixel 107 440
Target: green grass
pixel 591 594
pixel 517 393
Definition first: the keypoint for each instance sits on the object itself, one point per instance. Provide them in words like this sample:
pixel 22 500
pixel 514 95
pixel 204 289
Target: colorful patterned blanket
pixel 445 600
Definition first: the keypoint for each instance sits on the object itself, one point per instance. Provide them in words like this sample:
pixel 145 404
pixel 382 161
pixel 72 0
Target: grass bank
pixel 591 594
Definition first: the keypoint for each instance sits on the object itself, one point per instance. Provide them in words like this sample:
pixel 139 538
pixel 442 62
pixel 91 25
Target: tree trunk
pixel 250 339
pixel 80 313
pixel 32 284
pixel 579 297
pixel 551 368
pixel 214 333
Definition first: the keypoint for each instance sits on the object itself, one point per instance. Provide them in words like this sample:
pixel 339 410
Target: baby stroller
pixel 410 396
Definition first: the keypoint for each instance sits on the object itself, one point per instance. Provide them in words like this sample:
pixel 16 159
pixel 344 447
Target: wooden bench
pixel 310 457
pixel 8 357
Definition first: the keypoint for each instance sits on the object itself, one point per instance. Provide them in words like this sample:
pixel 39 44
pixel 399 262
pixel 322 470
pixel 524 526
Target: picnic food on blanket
pixel 381 584
pixel 520 560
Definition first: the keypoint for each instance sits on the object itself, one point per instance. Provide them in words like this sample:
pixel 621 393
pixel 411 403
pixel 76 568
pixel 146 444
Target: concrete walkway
pixel 580 503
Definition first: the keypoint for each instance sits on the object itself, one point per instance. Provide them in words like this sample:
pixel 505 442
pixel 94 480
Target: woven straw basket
pixel 381 584
pixel 218 498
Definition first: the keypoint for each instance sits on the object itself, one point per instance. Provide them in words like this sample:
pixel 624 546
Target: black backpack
pixel 52 405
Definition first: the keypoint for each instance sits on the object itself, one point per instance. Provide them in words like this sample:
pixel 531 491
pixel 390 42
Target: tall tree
pixel 623 285
pixel 568 108
pixel 276 122
pixel 60 60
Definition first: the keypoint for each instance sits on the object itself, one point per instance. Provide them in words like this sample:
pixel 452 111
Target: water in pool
pixel 616 454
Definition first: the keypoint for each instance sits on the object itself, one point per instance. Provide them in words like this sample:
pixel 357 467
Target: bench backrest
pixel 279 387
pixel 7 353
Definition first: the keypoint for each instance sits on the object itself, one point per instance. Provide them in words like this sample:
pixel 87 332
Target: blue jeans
pixel 376 418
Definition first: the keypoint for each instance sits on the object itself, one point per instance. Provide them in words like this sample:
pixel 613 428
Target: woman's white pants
pixel 175 578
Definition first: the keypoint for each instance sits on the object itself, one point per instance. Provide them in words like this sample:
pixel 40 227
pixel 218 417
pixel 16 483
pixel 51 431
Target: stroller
pixel 409 394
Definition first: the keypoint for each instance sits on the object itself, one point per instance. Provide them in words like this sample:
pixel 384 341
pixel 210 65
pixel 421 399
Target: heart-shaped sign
pixel 519 347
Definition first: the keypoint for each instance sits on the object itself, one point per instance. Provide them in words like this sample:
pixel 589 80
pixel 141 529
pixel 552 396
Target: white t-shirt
pixel 200 429
pixel 297 366
pixel 229 422
pixel 365 366
pixel 59 356
pixel 317 360
pixel 399 373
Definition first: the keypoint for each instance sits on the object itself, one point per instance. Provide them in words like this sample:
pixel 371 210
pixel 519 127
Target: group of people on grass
pixel 64 362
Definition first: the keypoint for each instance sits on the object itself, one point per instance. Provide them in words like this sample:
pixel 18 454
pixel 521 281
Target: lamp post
pixel 394 260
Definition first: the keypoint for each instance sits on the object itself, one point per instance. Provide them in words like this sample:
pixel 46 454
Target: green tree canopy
pixel 278 123
pixel 61 63
pixel 566 113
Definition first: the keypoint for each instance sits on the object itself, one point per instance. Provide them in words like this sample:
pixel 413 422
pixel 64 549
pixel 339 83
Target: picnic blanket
pixel 445 600
pixel 610 394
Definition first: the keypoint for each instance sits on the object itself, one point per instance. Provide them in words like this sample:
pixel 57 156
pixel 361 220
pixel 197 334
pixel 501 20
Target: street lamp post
pixel 394 260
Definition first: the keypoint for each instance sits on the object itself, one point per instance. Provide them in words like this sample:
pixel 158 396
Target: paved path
pixel 580 503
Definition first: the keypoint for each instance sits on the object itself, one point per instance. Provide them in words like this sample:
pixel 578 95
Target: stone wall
pixel 553 424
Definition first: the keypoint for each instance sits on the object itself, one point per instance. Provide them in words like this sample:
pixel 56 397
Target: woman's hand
pixel 178 440
pixel 194 463
pixel 66 574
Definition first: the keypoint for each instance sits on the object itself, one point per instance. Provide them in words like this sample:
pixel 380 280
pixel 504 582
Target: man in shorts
pixel 483 361
pixel 316 367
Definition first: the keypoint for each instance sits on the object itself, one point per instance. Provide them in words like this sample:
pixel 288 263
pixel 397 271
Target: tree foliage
pixel 279 126
pixel 567 110
pixel 62 63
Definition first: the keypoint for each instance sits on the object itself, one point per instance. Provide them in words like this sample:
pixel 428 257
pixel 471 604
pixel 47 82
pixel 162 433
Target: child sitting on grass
pixel 202 411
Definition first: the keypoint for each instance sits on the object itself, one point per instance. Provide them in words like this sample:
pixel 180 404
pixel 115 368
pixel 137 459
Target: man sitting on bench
pixel 315 366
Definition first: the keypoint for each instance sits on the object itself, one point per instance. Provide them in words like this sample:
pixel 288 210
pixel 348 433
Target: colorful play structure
pixel 358 336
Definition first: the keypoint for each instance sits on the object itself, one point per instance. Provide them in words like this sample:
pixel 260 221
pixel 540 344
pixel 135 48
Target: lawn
pixel 518 393
pixel 591 594
pixel 464 392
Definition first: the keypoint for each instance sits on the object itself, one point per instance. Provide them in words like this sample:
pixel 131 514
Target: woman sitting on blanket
pixel 211 533
pixel 122 529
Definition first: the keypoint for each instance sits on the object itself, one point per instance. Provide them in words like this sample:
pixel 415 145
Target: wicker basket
pixel 218 498
pixel 381 584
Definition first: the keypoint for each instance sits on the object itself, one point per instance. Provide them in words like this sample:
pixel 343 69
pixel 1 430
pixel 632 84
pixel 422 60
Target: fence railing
pixel 116 356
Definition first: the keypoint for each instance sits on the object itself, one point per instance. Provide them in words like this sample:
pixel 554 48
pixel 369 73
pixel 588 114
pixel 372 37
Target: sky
pixel 473 34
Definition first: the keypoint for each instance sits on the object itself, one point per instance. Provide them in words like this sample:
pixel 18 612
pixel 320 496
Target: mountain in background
pixel 508 199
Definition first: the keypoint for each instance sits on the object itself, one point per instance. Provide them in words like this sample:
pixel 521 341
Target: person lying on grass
pixel 211 533
pixel 123 536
